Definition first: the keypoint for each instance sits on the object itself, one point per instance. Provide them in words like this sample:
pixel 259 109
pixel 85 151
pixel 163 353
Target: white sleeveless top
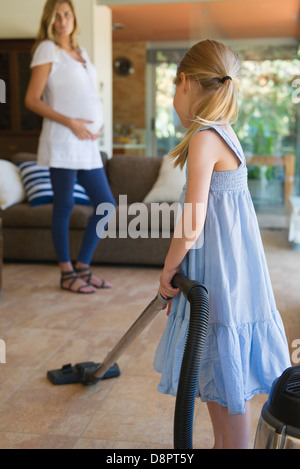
pixel 71 90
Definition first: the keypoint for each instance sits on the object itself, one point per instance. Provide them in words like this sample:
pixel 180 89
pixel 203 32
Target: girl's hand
pixel 165 289
pixel 79 129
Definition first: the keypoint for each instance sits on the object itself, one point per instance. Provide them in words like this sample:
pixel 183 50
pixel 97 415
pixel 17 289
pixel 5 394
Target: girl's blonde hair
pixel 207 63
pixel 47 21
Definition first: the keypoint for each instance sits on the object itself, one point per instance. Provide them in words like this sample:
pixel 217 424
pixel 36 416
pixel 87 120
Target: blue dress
pixel 246 347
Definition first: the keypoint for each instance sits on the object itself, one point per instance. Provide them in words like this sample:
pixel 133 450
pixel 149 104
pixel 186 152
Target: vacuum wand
pixel 89 373
pixel 156 305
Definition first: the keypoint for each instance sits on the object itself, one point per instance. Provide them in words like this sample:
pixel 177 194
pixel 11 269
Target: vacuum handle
pixel 185 285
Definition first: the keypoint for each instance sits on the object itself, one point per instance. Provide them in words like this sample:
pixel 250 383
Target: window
pixel 268 123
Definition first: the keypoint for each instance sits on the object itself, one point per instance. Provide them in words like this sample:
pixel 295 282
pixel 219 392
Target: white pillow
pixel 11 185
pixel 169 184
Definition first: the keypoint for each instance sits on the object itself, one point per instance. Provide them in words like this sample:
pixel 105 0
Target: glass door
pixel 164 130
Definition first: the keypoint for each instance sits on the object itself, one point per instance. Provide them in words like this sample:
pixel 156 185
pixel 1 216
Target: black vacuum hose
pixel 197 295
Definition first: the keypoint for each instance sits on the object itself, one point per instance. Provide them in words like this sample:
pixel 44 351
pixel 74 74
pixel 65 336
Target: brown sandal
pixel 71 275
pixel 86 275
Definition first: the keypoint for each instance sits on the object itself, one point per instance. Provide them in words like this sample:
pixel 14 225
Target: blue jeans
pixel 96 185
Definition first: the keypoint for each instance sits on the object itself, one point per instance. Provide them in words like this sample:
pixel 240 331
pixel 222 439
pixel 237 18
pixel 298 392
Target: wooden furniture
pixel 19 127
pixel 138 149
pixel 287 161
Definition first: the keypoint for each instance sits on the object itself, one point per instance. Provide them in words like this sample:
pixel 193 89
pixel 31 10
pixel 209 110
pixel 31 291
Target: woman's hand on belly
pixel 78 127
pixel 97 135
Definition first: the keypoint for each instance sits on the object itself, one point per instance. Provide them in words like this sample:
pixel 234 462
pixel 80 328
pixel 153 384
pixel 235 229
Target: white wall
pixel 102 56
pixel 20 19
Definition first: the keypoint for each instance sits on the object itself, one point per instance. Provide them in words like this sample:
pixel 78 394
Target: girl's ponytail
pixel 216 68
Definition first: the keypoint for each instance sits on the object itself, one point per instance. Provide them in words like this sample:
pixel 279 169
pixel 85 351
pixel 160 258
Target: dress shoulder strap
pixel 228 140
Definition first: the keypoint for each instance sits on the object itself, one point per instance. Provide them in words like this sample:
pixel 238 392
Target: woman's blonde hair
pixel 47 21
pixel 208 63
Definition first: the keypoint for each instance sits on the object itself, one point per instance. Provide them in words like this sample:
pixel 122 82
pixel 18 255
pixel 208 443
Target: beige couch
pixel 27 230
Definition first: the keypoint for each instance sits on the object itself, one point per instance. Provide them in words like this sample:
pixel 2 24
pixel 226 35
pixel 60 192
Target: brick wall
pixel 129 93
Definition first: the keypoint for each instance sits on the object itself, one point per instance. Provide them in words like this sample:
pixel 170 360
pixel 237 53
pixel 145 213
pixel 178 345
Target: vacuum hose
pixel 197 295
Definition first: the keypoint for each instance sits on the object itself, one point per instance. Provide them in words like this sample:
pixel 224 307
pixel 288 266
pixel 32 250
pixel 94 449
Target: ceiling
pixel 220 19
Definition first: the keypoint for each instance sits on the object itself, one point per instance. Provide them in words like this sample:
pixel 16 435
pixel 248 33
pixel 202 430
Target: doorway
pixel 164 130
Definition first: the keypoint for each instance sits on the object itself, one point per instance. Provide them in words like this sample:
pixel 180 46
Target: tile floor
pixel 44 328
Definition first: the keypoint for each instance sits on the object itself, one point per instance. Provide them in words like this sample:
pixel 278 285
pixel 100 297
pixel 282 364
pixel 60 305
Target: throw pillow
pixel 169 184
pixel 11 186
pixel 38 187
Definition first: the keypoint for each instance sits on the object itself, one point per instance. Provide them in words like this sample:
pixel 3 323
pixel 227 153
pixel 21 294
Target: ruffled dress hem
pixel 242 369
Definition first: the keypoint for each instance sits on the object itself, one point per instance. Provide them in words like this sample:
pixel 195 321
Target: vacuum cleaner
pixel 89 373
pixel 279 423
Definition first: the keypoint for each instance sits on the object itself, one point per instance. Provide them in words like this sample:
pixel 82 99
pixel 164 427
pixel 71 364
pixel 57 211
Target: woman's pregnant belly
pixel 96 119
pixel 72 91
pixel 91 110
pixel 61 133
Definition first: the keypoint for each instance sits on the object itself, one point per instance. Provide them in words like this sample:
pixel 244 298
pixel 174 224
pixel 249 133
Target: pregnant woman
pixel 63 90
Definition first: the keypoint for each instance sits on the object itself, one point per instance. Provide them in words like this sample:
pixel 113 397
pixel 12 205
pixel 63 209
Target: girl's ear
pixel 184 81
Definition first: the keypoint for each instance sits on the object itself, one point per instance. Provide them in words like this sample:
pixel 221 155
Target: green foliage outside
pixel 267 123
pixel 268 116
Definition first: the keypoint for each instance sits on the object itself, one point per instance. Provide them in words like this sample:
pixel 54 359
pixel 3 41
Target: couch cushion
pixel 169 184
pixel 132 175
pixel 11 186
pixel 21 157
pixel 38 186
pixel 24 216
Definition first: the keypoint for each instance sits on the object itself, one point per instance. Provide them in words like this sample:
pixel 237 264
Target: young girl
pixel 246 347
pixel 63 90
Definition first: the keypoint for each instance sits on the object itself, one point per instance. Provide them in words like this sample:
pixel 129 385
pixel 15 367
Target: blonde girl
pixel 246 347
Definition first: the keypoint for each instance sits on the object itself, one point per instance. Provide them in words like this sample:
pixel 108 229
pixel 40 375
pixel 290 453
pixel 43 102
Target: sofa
pixel 27 230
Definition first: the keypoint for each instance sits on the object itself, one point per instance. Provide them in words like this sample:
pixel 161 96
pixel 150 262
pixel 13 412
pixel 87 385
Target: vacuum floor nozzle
pixel 83 373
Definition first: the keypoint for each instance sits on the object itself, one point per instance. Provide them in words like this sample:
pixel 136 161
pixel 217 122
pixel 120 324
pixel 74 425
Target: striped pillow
pixel 38 187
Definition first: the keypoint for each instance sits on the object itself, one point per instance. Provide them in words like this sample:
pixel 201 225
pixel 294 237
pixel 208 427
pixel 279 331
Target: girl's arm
pixel 201 161
pixel 34 102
